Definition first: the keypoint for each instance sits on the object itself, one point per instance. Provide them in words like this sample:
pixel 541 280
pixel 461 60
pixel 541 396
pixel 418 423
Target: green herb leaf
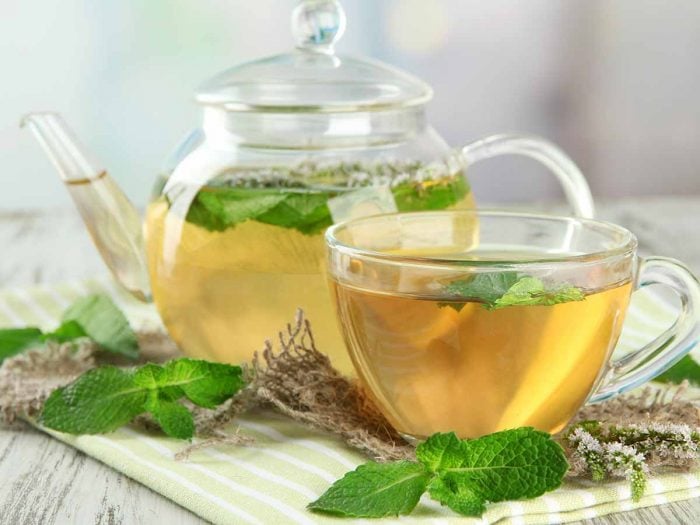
pixel 16 340
pixel 684 369
pixel 217 209
pixel 530 291
pixel 503 289
pixel 100 400
pixel 204 383
pixel 431 195
pixel 105 398
pixel 440 451
pixel 462 474
pixel 102 321
pixel 459 497
pixel 513 464
pixel 67 331
pixel 375 490
pixel 306 212
pixel 486 287
pixel 175 420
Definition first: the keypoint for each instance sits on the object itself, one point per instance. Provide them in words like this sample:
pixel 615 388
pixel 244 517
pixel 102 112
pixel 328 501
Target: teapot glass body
pixel 234 234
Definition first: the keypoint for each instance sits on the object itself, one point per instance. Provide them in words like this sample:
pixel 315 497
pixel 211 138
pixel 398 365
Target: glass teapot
pixel 232 242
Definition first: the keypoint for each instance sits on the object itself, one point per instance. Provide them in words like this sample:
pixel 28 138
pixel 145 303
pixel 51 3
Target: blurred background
pixel 616 84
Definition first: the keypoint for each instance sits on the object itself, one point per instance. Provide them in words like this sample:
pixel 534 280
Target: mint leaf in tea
pixel 297 197
pixel 232 260
pixel 502 289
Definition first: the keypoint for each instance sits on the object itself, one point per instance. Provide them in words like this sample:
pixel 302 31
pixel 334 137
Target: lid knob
pixel 318 24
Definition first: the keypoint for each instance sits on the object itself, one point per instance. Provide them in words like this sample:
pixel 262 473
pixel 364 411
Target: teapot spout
pixel 113 222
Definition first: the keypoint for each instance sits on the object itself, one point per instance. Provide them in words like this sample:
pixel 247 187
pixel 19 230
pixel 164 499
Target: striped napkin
pixel 289 465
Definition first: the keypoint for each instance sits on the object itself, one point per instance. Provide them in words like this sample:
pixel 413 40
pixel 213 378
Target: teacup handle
pixel 668 348
pixel 559 163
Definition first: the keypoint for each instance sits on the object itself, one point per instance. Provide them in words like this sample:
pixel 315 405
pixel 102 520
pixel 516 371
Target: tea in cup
pixel 476 322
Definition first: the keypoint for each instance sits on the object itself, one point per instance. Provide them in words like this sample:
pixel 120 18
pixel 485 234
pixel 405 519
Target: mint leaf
pixel 306 212
pixel 94 316
pixel 502 289
pixel 440 451
pixel 100 400
pixel 16 340
pixel 175 420
pixel 458 497
pixel 530 291
pixel 684 369
pixel 204 383
pixel 513 464
pixel 288 199
pixel 105 398
pixel 430 195
pixel 67 331
pixel 375 490
pixel 217 209
pixel 221 208
pixel 462 474
pixel 485 287
pixel 104 323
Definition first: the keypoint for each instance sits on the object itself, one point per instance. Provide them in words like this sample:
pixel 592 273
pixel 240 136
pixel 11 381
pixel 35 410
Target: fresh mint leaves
pixel 217 208
pixel 105 398
pixel 94 316
pixel 503 289
pixel 462 474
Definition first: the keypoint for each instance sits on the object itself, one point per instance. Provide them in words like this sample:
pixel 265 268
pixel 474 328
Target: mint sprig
pixel 106 398
pixel 504 289
pixel 462 474
pixel 306 209
pixel 94 316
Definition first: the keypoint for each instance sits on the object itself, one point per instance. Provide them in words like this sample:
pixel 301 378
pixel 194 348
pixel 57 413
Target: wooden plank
pixel 43 481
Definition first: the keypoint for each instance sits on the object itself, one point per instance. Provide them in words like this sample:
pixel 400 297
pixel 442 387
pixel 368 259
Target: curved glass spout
pixel 113 222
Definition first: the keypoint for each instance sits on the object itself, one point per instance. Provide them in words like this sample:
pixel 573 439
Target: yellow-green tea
pixel 232 261
pixel 438 365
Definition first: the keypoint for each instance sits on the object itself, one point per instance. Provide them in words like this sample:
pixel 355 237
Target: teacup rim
pixel 626 247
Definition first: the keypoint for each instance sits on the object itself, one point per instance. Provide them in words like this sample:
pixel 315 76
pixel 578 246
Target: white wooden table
pixel 43 481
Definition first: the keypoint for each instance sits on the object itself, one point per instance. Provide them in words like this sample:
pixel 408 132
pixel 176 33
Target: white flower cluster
pixel 665 439
pixel 611 459
pixel 625 451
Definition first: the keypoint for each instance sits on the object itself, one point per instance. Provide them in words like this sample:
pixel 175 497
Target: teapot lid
pixel 313 78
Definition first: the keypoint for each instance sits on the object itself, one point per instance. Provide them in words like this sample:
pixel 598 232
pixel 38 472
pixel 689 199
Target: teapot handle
pixel 559 163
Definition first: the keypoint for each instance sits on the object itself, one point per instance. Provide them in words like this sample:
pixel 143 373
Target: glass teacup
pixel 476 322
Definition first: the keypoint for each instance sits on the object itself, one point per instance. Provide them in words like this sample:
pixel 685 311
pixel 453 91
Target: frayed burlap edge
pixel 299 381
